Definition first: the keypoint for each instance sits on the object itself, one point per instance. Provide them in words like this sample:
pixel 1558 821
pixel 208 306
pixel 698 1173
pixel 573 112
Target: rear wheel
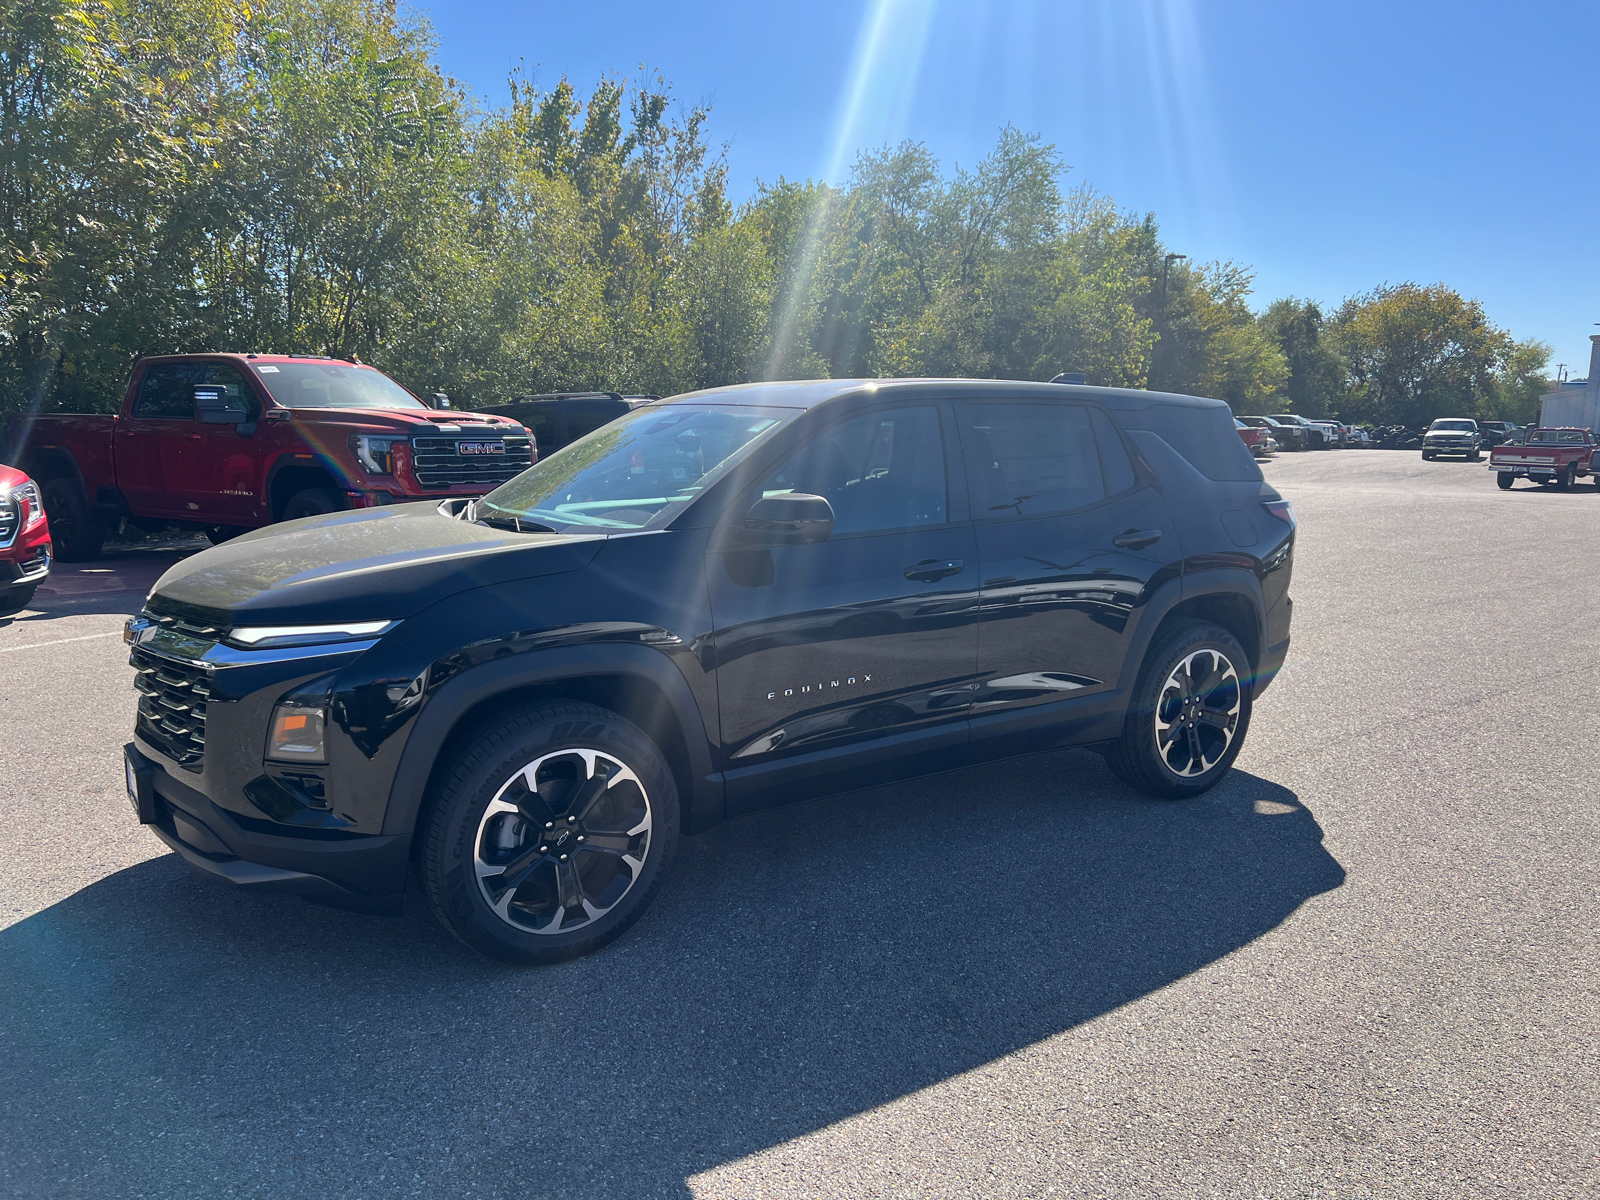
pixel 1564 479
pixel 312 502
pixel 75 532
pixel 1505 479
pixel 1189 713
pixel 550 834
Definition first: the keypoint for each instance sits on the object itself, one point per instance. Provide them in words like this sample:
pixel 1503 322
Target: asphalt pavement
pixel 1364 966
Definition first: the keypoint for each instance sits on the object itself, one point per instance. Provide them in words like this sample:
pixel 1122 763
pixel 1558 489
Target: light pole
pixel 1161 325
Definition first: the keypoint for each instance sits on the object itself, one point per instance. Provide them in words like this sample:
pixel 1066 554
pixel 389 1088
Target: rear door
pixel 1072 536
pixel 868 633
pixel 160 443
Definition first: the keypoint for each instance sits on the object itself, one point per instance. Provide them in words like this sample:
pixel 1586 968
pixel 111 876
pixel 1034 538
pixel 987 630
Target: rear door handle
pixel 931 569
pixel 1136 539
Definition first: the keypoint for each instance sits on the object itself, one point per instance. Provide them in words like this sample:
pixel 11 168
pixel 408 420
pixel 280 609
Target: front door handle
pixel 1136 539
pixel 931 569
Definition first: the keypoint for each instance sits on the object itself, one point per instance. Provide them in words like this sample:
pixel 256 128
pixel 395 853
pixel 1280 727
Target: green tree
pixel 1316 379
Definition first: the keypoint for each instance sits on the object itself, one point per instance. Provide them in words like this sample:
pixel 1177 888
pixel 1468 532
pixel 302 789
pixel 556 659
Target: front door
pixel 870 632
pixel 1071 537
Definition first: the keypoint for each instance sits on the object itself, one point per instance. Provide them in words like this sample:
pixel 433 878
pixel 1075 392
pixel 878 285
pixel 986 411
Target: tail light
pixel 1281 509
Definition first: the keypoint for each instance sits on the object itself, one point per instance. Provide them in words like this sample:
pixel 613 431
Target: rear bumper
pixel 1271 664
pixel 352 867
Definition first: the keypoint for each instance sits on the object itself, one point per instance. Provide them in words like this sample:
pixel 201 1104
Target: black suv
pixel 710 605
pixel 561 418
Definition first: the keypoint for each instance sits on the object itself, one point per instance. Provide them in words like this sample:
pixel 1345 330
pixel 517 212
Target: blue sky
pixel 1331 146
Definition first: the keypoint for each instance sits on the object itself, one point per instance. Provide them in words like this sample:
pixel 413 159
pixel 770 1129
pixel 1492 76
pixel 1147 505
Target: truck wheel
pixel 1188 714
pixel 312 502
pixel 1564 479
pixel 74 531
pixel 1475 456
pixel 550 834
pixel 1505 479
pixel 14 600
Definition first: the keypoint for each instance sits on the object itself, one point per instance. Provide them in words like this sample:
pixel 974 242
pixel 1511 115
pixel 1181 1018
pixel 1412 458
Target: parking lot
pixel 1365 966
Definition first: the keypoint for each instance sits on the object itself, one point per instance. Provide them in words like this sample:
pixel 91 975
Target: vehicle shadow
pixel 116 582
pixel 159 1034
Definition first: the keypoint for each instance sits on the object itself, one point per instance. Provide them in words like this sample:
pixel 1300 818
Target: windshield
pixel 1468 426
pixel 1557 437
pixel 332 385
pixel 638 472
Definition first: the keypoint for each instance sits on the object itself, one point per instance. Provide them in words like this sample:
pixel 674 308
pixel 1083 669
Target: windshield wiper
pixel 515 524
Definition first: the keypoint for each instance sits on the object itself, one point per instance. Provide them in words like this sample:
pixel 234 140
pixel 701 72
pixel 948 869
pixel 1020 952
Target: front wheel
pixel 14 599
pixel 550 834
pixel 1188 714
pixel 1475 456
pixel 1505 479
pixel 312 502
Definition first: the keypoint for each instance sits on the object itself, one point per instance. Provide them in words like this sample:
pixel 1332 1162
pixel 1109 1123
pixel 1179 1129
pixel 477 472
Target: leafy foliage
pixel 297 175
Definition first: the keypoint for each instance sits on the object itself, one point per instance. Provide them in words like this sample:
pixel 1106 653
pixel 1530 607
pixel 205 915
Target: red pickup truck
pixel 1557 456
pixel 229 442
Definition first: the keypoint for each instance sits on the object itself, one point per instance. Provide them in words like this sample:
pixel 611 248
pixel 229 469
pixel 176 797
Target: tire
pixel 1505 479
pixel 217 534
pixel 312 502
pixel 1213 715
pixel 14 599
pixel 75 532
pixel 1564 479
pixel 484 817
pixel 1475 456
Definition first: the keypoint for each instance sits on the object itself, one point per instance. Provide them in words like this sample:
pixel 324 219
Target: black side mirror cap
pixel 213 406
pixel 788 519
pixel 440 400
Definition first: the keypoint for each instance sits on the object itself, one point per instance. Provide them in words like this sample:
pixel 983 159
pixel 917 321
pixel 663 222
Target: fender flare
pixel 702 807
pixel 1192 585
pixel 59 455
pixel 286 459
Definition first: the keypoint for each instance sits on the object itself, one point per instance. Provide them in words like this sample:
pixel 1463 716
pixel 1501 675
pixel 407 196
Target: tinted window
pixel 1029 459
pixel 167 389
pixel 586 416
pixel 1113 455
pixel 880 471
pixel 1204 436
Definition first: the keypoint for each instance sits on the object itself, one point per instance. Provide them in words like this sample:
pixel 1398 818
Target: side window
pixel 1026 460
pixel 1113 454
pixel 881 471
pixel 167 389
pixel 583 418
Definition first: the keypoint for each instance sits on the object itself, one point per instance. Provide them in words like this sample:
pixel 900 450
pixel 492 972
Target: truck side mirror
pixel 440 400
pixel 792 518
pixel 213 406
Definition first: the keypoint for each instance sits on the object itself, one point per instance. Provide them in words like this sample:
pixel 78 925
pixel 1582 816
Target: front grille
pixel 10 514
pixel 172 706
pixel 436 463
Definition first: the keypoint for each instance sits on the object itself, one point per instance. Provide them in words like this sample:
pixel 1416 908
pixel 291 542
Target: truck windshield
pixel 332 385
pixel 1556 437
pixel 1466 426
pixel 638 472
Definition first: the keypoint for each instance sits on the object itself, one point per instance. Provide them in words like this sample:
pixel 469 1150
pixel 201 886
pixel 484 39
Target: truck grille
pixel 10 514
pixel 172 706
pixel 437 463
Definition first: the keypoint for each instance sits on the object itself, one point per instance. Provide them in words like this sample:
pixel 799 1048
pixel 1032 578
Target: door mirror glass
pixel 788 519
pixel 213 406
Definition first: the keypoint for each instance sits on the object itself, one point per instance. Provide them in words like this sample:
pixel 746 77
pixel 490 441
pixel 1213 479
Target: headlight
pixel 264 637
pixel 28 493
pixel 297 734
pixel 374 453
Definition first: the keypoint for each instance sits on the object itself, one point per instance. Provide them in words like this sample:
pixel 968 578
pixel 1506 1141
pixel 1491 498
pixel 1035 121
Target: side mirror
pixel 789 519
pixel 212 406
pixel 440 400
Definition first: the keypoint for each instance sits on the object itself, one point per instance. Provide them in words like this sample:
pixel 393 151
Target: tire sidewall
pixel 450 846
pixel 1140 732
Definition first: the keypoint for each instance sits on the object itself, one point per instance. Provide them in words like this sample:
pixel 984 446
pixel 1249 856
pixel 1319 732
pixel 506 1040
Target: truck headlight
pixel 297 734
pixel 28 493
pixel 374 453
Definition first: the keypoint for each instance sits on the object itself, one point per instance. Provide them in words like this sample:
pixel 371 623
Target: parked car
pixel 523 702
pixel 1333 433
pixel 1257 440
pixel 1316 437
pixel 1360 437
pixel 1288 437
pixel 229 442
pixel 561 418
pixel 1553 456
pixel 24 540
pixel 1453 435
pixel 1498 433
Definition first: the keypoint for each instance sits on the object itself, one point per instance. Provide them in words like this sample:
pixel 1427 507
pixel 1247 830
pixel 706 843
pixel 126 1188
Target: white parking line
pixel 60 641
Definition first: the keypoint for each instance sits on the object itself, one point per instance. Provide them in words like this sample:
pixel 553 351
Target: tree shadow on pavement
pixel 164 1036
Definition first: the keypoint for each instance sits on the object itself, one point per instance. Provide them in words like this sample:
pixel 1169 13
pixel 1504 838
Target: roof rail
pixel 570 396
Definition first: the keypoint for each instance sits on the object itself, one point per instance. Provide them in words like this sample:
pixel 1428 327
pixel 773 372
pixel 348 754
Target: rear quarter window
pixel 1206 437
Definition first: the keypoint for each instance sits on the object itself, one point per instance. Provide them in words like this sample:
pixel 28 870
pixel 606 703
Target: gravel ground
pixel 1365 966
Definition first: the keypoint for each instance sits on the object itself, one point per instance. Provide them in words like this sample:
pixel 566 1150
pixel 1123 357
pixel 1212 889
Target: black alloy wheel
pixel 1189 713
pixel 550 834
pixel 76 535
pixel 313 502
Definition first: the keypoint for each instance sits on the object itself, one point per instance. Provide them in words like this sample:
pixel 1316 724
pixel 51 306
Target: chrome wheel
pixel 1197 714
pixel 563 841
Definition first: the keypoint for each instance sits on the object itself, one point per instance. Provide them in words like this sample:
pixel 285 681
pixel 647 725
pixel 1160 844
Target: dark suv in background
pixel 712 604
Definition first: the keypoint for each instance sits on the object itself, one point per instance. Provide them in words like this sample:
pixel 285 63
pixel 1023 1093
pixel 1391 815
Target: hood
pixel 406 420
pixel 367 565
pixel 10 477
